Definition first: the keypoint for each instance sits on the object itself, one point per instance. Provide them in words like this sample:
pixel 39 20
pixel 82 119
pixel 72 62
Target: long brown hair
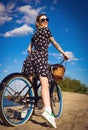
pixel 38 18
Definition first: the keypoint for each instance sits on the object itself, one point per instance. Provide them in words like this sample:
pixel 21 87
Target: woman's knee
pixel 44 81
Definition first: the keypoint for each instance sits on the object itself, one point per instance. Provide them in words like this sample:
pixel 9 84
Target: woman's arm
pixel 30 48
pixel 58 47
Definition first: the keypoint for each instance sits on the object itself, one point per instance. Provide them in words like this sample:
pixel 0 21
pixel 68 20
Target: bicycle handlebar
pixel 62 61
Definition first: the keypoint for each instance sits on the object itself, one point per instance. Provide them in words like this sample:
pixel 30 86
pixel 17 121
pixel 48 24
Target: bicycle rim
pixel 13 100
pixel 56 100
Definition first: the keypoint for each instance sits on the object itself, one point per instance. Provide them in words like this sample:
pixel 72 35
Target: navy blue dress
pixel 37 62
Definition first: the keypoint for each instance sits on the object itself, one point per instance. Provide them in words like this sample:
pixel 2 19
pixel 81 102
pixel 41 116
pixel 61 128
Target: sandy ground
pixel 74 116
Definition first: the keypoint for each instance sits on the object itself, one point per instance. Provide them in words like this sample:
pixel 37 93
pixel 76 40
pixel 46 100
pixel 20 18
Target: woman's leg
pixel 47 114
pixel 31 78
pixel 45 93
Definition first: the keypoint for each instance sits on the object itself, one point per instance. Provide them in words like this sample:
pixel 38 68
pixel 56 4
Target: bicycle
pixel 18 92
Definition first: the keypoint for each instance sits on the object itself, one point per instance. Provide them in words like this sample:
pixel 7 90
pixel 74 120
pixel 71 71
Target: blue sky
pixel 68 24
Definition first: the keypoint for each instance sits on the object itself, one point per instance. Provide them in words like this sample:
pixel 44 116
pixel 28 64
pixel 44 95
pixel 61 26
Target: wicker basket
pixel 58 72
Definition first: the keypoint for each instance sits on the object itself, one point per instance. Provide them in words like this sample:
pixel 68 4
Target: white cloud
pixel 73 63
pixel 29 14
pixel 37 1
pixel 5 71
pixel 55 1
pixel 32 1
pixel 24 52
pixel 52 8
pixel 57 56
pixel 66 29
pixel 21 31
pixel 15 61
pixel 5 12
pixel 0 65
pixel 81 69
pixel 71 56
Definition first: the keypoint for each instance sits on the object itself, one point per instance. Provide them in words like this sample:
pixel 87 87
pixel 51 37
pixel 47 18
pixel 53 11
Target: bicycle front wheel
pixel 56 100
pixel 15 110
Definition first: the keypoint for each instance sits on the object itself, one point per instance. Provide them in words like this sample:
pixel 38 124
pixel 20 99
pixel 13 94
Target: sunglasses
pixel 44 19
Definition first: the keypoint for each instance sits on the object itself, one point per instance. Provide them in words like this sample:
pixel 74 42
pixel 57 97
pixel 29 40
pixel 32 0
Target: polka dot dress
pixel 37 62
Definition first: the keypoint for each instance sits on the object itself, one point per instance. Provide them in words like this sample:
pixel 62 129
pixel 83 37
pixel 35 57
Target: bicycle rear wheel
pixel 56 100
pixel 13 99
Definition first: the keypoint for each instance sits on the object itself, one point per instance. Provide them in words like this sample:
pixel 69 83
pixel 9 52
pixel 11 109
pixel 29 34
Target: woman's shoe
pixel 50 118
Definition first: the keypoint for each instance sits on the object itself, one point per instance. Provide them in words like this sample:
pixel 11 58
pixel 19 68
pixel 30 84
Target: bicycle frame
pixel 34 83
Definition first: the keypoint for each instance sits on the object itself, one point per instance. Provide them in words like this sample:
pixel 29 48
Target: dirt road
pixel 74 116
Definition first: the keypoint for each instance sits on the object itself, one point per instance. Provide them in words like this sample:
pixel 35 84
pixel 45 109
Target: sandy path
pixel 74 117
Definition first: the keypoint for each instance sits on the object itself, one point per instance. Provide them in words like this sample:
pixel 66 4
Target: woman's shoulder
pixel 46 30
pixel 43 31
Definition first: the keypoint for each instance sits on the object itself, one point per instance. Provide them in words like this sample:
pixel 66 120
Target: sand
pixel 74 116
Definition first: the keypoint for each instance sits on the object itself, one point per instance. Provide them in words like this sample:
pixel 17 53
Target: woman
pixel 37 62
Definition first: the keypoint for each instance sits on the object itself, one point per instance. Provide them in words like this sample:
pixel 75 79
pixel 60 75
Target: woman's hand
pixel 65 57
pixel 30 48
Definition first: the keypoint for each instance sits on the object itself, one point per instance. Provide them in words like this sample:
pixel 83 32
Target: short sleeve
pixel 48 33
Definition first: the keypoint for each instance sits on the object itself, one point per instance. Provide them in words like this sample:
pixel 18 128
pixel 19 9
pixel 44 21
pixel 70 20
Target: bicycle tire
pixel 56 100
pixel 11 105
